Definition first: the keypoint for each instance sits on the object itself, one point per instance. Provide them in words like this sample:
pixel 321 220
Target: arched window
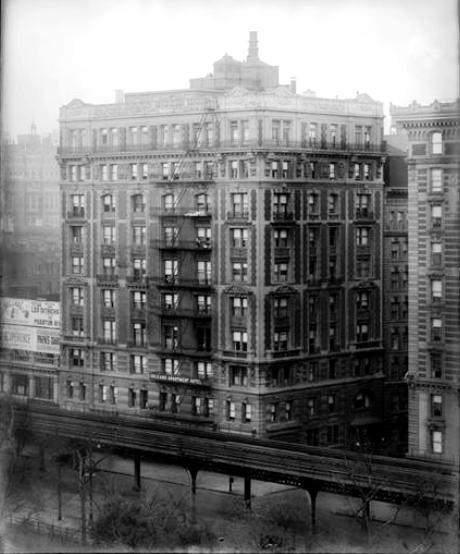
pixel 436 143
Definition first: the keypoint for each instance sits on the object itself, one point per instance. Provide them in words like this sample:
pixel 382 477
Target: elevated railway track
pixel 315 469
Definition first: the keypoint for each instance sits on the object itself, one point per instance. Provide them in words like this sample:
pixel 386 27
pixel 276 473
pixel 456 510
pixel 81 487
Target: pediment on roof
pixel 238 91
pixel 76 103
pixel 281 91
pixel 364 98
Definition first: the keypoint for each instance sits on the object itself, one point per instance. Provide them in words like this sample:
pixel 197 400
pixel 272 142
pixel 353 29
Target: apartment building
pixel 433 137
pixel 30 222
pixel 395 293
pixel 222 257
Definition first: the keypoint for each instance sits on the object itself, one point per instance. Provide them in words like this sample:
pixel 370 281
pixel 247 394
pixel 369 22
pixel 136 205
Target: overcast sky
pixel 57 50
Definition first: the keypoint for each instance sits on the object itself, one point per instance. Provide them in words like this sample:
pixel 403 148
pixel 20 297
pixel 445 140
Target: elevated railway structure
pixel 371 478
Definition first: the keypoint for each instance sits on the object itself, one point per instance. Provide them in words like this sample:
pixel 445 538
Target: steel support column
pixel 137 471
pixel 247 492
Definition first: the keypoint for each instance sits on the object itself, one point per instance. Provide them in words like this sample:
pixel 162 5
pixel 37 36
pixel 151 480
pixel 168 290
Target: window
pixel 109 331
pixel 246 414
pixel 163 398
pixel 361 401
pixel 77 234
pixel 331 403
pixel 170 301
pixel 108 266
pixel 274 170
pixel 333 203
pixel 234 169
pixel 288 410
pixel 312 134
pixel 280 306
pixel 436 405
pixel 108 203
pixel 196 405
pixel 436 180
pixel 203 302
pixel 171 336
pixel 363 267
pixel 367 137
pixel 105 172
pixel 436 143
pixel 77 265
pixel 176 132
pixel 139 334
pixel 362 236
pixel 362 332
pixel 44 388
pixel 138 364
pixel 109 234
pixel 436 253
pixel 170 270
pixel 139 268
pixel 240 341
pixel 436 329
pixel 311 407
pixel 230 409
pixel 367 172
pixel 286 131
pixel 436 442
pixel 203 370
pixel 203 237
pixel 108 361
pixel 436 290
pixel 313 203
pixel 77 296
pixel 139 235
pixel 204 272
pixel 113 394
pixel 169 202
pixel 280 340
pixel 202 203
pixel 276 125
pixel 240 271
pixel 78 205
pixel 239 376
pixel 436 216
pixel 362 205
pixel 239 306
pixel 76 357
pixel 234 135
pixel 332 170
pixel 357 171
pixel 280 237
pixel 203 339
pixel 280 272
pixel 70 386
pixel 133 171
pixel 171 366
pixel 240 204
pixel 114 172
pixel 138 203
pixel 273 410
pixel 82 391
pixel 131 398
pixel 285 170
pixel 239 238
pixel 436 365
pixel 170 235
pixel 280 205
pixel 77 326
pixel 73 172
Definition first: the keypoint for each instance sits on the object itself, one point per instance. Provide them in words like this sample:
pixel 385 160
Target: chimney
pixel 253 52
pixel 119 96
pixel 293 86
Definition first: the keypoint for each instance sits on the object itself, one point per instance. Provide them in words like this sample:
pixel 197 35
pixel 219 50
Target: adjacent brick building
pixel 30 222
pixel 222 256
pixel 434 260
